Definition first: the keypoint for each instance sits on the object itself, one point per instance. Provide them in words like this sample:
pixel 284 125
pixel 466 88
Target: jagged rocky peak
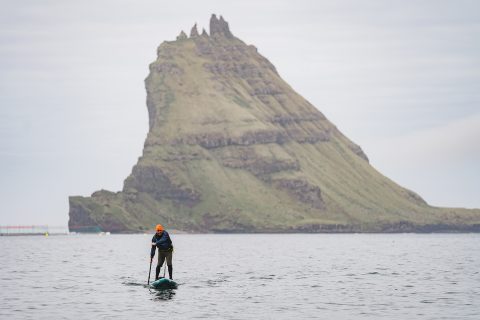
pixel 194 31
pixel 182 36
pixel 219 27
pixel 204 33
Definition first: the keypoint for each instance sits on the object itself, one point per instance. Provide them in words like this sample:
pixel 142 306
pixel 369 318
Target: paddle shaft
pixel 149 271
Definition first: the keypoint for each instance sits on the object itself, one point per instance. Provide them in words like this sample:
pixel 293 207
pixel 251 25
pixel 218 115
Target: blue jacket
pixel 162 242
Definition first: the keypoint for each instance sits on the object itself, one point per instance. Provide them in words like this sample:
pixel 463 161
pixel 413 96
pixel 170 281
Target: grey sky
pixel 400 78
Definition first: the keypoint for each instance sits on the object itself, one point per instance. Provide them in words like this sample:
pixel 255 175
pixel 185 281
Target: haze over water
pixel 324 276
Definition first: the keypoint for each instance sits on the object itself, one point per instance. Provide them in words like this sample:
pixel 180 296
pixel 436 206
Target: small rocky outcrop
pixel 182 36
pixel 194 31
pixel 219 27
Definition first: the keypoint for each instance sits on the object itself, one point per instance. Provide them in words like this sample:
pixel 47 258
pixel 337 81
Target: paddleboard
pixel 164 283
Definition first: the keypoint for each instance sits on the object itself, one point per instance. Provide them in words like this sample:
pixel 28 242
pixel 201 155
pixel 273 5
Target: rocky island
pixel 232 147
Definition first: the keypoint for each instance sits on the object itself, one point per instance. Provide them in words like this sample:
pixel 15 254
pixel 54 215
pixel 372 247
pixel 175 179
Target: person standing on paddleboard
pixel 162 241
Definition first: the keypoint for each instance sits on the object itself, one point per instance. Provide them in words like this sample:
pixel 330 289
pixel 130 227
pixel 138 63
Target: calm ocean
pixel 249 276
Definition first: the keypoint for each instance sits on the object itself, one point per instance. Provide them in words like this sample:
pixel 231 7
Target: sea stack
pixel 232 147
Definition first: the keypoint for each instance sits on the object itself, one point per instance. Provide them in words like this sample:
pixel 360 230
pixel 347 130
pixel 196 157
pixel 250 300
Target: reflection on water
pixel 161 295
pixel 397 276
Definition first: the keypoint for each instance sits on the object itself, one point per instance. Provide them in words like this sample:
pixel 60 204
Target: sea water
pixel 243 276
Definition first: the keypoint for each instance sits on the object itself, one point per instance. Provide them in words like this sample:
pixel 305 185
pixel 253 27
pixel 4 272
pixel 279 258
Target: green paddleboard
pixel 164 283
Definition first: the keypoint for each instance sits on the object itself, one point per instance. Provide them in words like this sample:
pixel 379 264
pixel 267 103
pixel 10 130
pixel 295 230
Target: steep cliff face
pixel 233 148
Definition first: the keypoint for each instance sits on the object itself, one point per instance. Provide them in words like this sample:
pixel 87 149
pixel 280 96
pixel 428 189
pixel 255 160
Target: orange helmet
pixel 159 228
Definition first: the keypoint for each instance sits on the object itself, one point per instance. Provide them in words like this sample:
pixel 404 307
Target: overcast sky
pixel 401 78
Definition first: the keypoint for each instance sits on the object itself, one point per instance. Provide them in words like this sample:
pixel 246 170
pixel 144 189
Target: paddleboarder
pixel 162 241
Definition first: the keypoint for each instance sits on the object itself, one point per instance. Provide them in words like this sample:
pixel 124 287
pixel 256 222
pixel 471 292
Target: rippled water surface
pixel 400 276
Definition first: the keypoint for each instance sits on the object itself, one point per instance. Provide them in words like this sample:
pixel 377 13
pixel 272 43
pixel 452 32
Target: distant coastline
pixel 33 230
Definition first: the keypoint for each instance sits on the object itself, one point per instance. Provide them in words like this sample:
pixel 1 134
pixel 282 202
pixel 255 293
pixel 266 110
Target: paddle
pixel 149 271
